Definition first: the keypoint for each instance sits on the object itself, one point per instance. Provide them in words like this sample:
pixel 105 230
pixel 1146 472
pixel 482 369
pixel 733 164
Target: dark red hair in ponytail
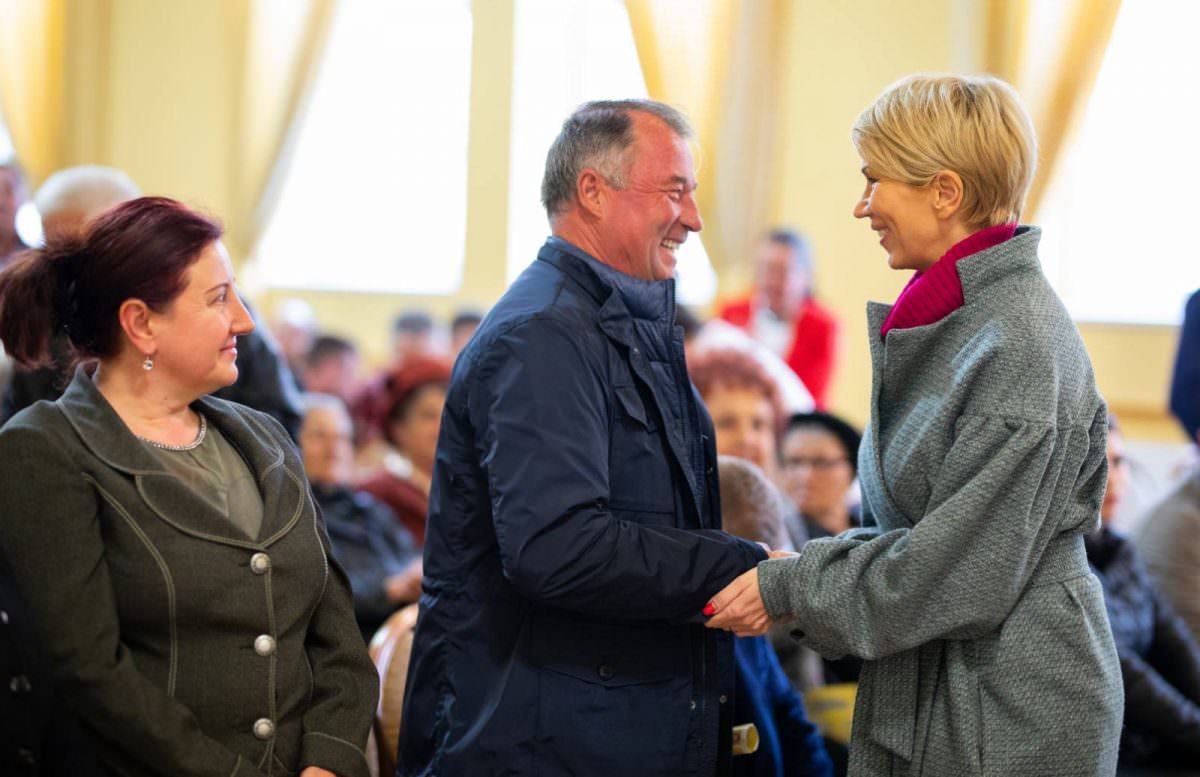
pixel 76 284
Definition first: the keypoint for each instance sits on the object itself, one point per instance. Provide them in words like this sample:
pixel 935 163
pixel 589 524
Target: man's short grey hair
pixel 88 189
pixel 597 135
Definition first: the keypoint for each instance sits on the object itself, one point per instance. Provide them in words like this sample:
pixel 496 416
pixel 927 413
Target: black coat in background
pixel 1160 661
pixel 38 736
pixel 371 545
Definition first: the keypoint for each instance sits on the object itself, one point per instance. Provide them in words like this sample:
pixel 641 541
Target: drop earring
pixel 148 364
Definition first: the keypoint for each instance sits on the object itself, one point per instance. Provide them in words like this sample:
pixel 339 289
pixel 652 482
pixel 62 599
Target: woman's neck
pixel 149 408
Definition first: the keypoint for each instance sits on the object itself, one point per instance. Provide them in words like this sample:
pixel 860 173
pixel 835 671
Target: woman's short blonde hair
pixel 975 126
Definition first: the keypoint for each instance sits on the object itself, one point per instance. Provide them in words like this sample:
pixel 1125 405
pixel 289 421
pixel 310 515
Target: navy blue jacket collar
pixel 648 300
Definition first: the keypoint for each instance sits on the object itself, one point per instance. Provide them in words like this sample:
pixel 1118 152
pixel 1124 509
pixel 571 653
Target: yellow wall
pixel 154 85
pixel 151 89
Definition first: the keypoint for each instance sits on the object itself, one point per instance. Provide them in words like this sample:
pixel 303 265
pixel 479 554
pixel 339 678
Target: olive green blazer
pixel 184 645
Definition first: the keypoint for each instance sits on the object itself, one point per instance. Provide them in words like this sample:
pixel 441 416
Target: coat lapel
pixel 104 433
pixel 874 487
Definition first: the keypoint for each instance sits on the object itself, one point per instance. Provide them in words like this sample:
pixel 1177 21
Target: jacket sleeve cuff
pixel 774 577
pixel 333 753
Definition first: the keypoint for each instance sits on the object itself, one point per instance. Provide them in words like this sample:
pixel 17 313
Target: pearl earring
pixel 148 364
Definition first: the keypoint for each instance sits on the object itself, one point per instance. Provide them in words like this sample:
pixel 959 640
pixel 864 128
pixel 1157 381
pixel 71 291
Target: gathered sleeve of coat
pixel 50 535
pixel 541 412
pixel 1005 489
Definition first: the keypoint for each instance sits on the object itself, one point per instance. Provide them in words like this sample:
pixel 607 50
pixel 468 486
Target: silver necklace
pixel 187 447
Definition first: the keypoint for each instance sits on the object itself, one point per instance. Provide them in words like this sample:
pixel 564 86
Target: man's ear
pixel 135 319
pixel 947 189
pixel 591 192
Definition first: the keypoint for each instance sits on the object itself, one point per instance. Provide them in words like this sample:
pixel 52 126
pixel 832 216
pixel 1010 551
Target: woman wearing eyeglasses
pixel 818 462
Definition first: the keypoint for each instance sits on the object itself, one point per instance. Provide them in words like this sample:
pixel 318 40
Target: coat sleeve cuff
pixel 333 753
pixel 773 584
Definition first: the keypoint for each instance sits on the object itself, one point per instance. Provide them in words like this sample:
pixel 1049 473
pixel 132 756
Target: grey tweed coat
pixel 987 644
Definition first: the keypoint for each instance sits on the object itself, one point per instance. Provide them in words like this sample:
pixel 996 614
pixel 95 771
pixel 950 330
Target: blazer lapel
pixel 104 433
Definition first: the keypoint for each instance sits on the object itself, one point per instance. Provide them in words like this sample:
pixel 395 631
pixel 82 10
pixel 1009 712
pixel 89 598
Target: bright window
pixel 1116 243
pixel 567 52
pixel 375 199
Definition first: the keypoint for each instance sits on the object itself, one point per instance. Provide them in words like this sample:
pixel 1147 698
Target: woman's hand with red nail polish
pixel 739 607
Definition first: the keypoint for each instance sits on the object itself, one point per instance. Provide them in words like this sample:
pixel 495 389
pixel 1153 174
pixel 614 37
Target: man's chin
pixel 665 268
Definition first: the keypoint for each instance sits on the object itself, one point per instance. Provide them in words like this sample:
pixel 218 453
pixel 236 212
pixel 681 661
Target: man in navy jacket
pixel 574 519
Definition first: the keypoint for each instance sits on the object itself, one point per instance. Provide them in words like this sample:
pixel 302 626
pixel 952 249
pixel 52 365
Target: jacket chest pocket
pixel 640 476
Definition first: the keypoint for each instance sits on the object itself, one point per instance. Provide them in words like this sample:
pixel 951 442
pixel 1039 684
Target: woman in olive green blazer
pixel 189 639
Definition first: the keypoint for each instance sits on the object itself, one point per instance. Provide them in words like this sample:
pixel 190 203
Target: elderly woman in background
pixel 818 463
pixel 379 555
pixel 1160 660
pixel 987 644
pixel 416 393
pixel 177 571
pixel 743 401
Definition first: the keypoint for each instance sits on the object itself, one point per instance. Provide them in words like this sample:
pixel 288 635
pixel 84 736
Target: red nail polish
pixel 709 609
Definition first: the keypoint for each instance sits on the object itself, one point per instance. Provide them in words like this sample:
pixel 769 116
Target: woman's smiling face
pixel 904 218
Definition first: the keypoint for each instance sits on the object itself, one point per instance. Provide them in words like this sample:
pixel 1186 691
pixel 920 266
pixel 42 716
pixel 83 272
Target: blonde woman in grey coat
pixel 987 645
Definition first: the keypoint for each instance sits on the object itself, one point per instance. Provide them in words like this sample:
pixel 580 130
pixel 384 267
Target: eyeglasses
pixel 815 464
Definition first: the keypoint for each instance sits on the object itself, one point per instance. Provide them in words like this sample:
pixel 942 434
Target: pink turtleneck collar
pixel 937 292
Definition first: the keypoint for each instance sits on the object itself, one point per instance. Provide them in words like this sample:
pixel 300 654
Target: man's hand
pixel 316 771
pixel 739 607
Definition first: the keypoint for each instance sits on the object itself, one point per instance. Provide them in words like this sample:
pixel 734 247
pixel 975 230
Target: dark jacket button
pixel 797 634
pixel 605 672
pixel 25 757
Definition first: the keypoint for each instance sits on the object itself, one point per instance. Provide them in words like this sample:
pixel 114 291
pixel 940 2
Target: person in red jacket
pixel 781 313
